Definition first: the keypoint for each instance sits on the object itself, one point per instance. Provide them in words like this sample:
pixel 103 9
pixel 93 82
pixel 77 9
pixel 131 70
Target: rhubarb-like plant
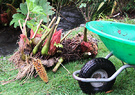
pixel 37 9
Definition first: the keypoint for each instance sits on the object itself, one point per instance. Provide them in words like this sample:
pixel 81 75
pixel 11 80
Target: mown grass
pixel 61 82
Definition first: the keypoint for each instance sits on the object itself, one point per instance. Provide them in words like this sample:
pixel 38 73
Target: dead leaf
pixel 40 70
pixel 109 91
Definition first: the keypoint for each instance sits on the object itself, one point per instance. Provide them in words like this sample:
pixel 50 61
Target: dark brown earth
pixel 8 40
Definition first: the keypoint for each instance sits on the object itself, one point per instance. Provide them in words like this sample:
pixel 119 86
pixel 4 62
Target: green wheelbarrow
pixel 99 74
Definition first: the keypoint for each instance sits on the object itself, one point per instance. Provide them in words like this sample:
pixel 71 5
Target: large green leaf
pixel 47 9
pixel 31 23
pixel 30 4
pixel 17 17
pixel 45 19
pixel 23 8
pixel 38 9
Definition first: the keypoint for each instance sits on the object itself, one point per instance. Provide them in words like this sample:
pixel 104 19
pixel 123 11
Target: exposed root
pixel 16 58
pixel 6 82
pixel 25 71
pixel 73 49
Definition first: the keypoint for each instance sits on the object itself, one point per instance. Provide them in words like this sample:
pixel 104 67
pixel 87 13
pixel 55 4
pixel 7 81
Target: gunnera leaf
pixel 47 9
pixel 23 8
pixel 17 17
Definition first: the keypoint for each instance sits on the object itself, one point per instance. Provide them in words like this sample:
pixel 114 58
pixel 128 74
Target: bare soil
pixel 8 40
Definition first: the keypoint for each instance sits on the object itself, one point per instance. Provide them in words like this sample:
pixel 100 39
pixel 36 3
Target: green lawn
pixel 62 83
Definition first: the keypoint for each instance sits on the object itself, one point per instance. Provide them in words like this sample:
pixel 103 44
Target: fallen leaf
pixel 109 91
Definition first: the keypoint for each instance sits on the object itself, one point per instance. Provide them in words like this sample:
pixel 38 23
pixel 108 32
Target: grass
pixel 62 83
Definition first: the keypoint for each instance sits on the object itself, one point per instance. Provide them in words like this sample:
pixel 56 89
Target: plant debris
pixel 50 50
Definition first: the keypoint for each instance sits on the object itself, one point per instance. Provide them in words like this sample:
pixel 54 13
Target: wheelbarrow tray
pixel 118 37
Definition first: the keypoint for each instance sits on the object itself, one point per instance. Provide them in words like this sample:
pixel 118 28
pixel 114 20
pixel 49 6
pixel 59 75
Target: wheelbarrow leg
pixel 109 55
pixel 125 68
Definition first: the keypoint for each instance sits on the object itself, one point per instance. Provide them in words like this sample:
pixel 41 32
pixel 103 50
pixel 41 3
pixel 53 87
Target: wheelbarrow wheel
pixel 97 68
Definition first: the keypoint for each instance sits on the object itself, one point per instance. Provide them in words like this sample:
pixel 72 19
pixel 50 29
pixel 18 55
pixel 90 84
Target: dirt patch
pixel 8 40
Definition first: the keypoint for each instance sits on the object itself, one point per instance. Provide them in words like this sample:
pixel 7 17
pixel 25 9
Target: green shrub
pixel 130 7
pixel 127 6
